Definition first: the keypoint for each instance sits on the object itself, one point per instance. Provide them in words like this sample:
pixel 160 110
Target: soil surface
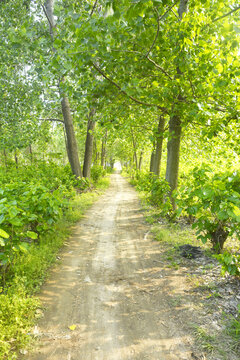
pixel 111 297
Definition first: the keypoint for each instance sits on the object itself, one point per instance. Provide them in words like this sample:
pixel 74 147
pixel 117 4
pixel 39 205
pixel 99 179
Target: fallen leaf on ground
pixel 72 327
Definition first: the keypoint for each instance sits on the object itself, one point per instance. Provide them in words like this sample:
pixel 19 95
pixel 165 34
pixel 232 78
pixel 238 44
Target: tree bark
pixel 152 159
pixel 175 130
pixel 71 142
pixel 72 149
pixel 159 143
pixel 16 159
pixel 173 151
pixel 135 159
pixel 95 152
pixel 140 161
pixel 31 153
pixel 5 157
pixel 103 152
pixel 89 146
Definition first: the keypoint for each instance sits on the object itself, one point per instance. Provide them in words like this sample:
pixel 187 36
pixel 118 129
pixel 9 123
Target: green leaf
pixel 24 247
pixel 4 234
pixel 219 68
pixel 32 235
pixel 236 211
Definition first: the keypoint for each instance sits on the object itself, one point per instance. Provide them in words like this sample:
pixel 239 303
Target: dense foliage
pixel 152 84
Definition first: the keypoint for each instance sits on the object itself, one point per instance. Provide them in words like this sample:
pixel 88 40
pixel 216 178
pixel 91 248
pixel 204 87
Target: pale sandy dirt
pixel 112 285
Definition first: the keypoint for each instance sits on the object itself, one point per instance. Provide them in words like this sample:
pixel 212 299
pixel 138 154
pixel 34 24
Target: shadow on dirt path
pixel 112 287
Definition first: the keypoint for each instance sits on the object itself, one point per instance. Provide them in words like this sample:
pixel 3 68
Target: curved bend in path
pixel 111 286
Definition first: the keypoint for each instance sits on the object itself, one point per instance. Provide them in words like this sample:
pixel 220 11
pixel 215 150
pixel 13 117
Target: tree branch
pixel 124 92
pixel 94 7
pixel 156 36
pixel 149 59
pixel 159 67
pixel 52 119
pixel 46 14
pixel 159 18
pixel 229 13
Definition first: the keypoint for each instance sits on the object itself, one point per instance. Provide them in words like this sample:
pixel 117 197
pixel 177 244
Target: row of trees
pixel 135 73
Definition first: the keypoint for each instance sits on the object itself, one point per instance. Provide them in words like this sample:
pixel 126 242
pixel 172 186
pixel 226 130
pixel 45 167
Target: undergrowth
pixel 18 301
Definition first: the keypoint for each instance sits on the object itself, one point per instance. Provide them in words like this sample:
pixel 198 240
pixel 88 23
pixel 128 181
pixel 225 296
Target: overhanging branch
pixel 124 92
pixel 225 15
pixel 52 119
pixel 94 7
pixel 159 18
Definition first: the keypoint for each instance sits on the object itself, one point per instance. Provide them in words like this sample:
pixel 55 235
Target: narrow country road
pixel 112 288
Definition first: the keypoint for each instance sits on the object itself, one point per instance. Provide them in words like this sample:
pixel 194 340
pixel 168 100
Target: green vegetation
pixel 152 84
pixel 36 218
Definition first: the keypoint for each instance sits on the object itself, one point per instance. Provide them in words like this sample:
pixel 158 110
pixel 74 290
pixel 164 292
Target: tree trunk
pixel 152 160
pixel 112 162
pixel 89 146
pixel 140 161
pixel 173 151
pixel 95 152
pixel 159 144
pixel 71 142
pixel 72 149
pixel 31 153
pixel 134 151
pixel 5 157
pixel 16 159
pixel 175 129
pixel 103 152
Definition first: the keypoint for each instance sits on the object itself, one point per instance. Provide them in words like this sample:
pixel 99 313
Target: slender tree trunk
pixel 16 159
pixel 112 162
pixel 152 160
pixel 135 159
pixel 72 149
pixel 71 142
pixel 31 153
pixel 103 152
pixel 5 157
pixel 95 152
pixel 140 161
pixel 159 144
pixel 89 146
pixel 173 151
pixel 175 130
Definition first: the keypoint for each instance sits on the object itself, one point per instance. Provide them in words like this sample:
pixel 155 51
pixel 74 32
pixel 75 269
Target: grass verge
pixel 18 301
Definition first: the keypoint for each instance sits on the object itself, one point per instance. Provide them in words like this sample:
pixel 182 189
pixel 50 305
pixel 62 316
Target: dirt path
pixel 113 288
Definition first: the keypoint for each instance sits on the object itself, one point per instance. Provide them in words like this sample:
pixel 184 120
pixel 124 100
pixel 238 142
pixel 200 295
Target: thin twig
pixel 229 13
pixel 124 92
pixel 175 14
pixel 156 36
pixel 94 7
pixel 52 119
pixel 149 59
pixel 159 67
pixel 159 18
pixel 222 17
pixel 46 14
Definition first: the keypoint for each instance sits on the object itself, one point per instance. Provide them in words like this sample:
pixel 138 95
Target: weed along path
pixel 109 299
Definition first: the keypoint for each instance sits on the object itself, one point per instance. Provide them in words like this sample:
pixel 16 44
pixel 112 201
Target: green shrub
pixel 159 196
pixel 230 263
pixel 109 170
pixel 213 202
pixel 156 189
pixel 97 171
pixel 32 199
pixel 17 313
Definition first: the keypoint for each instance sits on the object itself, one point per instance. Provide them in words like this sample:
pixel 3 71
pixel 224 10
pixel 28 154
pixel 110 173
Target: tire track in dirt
pixel 111 286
